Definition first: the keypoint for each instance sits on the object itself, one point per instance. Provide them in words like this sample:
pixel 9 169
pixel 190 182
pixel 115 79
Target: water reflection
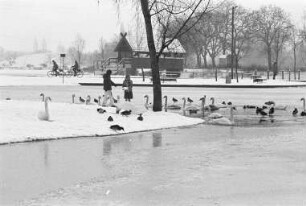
pixel 46 154
pixel 157 139
pixel 107 146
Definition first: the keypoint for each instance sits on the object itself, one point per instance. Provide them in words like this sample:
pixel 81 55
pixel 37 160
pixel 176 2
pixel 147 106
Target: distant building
pixel 130 57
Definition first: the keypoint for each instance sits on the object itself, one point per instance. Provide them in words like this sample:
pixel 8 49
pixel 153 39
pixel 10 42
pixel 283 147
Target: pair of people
pixel 75 67
pixel 107 86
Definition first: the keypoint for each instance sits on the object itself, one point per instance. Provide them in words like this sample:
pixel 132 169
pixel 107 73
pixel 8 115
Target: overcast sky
pixel 58 21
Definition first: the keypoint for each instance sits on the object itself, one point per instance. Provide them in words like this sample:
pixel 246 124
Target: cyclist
pixel 55 67
pixel 75 68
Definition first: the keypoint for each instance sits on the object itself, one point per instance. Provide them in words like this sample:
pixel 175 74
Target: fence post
pixel 289 75
pixel 299 75
pixel 242 75
pixel 282 74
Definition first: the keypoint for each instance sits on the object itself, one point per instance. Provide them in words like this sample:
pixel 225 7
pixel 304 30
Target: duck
pixel 174 100
pixel 44 115
pixel 295 112
pixel 271 111
pixel 261 111
pixel 116 127
pixel 96 101
pixel 191 108
pixel 110 119
pixel 140 117
pixel 171 106
pixel 42 96
pixel 81 100
pixel 189 100
pixel 126 113
pixel 221 120
pixel 101 111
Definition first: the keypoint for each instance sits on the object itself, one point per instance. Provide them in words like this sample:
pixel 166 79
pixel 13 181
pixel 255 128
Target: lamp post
pixel 233 43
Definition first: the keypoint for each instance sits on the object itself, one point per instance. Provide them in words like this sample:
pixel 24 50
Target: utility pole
pixel 232 47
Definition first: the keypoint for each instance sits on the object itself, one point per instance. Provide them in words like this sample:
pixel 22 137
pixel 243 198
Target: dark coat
pixel 107 82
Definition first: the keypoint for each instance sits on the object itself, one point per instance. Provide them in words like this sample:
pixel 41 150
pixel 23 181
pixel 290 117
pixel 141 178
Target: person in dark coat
pixel 107 86
pixel 127 87
pixel 55 67
pixel 75 68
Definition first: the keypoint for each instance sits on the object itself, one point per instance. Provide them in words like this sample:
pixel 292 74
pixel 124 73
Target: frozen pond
pixel 246 164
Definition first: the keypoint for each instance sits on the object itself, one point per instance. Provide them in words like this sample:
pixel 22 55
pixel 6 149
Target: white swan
pixel 213 107
pixel 191 108
pixel 222 120
pixel 87 101
pixel 44 115
pixel 146 104
pixel 43 96
pixel 171 106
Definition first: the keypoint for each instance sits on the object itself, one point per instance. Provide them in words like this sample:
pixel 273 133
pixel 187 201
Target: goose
pixel 81 100
pixel 191 109
pixel 87 101
pixel 221 120
pixel 42 96
pixel 44 115
pixel 303 113
pixel 171 106
pixel 126 113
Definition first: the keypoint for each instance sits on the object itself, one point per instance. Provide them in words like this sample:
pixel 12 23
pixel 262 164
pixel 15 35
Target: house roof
pixel 123 44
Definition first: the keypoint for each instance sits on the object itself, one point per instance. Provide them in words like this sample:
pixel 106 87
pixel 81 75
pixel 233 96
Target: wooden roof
pixel 123 44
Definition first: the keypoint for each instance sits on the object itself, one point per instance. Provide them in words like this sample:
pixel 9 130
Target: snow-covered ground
pixel 19 121
pixel 39 77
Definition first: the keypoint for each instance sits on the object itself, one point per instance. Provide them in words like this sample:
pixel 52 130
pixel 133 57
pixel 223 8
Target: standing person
pixel 107 86
pixel 55 67
pixel 274 70
pixel 127 87
pixel 75 68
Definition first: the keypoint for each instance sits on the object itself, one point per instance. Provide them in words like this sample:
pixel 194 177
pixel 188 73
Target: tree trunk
pixel 213 60
pixel 269 50
pixel 199 62
pixel 157 93
pixel 204 55
pixel 294 60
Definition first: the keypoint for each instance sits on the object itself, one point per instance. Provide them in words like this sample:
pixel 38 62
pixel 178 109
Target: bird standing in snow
pixel 44 115
pixel 116 127
pixel 140 117
pixel 81 100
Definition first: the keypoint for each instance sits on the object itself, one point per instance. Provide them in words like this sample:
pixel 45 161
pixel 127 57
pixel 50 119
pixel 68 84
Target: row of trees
pixel 232 29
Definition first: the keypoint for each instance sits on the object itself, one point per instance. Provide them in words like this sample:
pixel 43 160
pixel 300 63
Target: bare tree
pixel 79 45
pixel 35 45
pixel 102 48
pixel 269 23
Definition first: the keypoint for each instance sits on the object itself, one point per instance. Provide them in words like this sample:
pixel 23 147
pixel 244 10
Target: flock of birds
pixel 188 107
pixel 44 115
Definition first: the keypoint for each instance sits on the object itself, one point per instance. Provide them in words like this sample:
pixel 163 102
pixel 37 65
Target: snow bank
pixel 19 121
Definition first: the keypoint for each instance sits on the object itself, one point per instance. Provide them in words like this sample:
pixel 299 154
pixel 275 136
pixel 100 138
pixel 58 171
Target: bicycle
pixel 53 73
pixel 79 73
